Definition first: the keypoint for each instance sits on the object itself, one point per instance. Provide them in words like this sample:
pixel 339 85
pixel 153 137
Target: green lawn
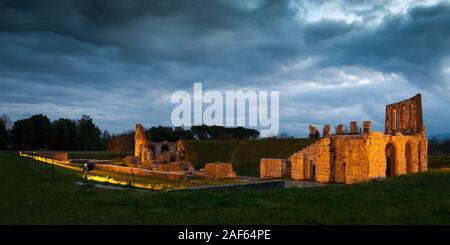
pixel 27 197
pixel 244 154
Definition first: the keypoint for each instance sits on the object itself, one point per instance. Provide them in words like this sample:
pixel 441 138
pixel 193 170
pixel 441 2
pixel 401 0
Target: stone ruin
pixel 273 168
pixel 340 129
pixel 366 127
pixel 172 157
pixel 354 129
pixel 326 130
pixel 313 132
pixel 217 170
pixel 355 156
pixel 162 156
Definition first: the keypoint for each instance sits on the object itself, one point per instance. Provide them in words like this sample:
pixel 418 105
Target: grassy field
pixel 29 197
pixel 436 162
pixel 100 155
pixel 244 154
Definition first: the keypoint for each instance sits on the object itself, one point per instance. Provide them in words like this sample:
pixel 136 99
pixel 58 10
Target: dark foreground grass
pixel 28 197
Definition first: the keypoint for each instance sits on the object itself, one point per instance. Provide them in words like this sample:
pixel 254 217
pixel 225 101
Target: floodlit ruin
pixel 356 155
pixel 349 155
pixel 169 157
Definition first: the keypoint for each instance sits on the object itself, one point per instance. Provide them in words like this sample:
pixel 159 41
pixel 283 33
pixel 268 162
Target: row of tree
pixel 38 132
pixel 125 141
pixel 219 132
pixel 439 147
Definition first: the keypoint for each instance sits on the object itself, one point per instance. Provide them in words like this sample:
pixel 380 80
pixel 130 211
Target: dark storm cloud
pixel 413 45
pixel 152 35
pixel 121 60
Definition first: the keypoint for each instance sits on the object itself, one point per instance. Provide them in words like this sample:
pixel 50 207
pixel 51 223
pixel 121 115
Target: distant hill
pixel 440 137
pixel 244 154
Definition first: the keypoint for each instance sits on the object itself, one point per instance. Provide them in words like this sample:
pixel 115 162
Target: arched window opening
pixel 408 157
pixel 390 160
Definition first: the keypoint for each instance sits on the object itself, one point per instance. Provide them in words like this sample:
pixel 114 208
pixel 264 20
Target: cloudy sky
pixel 120 61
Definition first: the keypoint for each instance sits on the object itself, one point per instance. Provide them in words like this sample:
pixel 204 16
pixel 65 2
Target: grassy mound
pixel 244 154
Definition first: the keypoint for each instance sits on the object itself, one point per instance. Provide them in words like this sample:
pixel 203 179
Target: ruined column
pixel 313 132
pixel 340 129
pixel 366 127
pixel 326 130
pixel 354 127
pixel 141 142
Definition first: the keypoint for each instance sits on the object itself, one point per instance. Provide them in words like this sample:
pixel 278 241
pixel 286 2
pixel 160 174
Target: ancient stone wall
pixel 175 166
pixel 366 127
pixel 272 168
pixel 354 129
pixel 422 149
pixel 404 116
pixel 297 166
pixel 312 162
pixel 351 158
pixel 178 176
pixel 140 141
pixel 326 130
pixel 411 154
pixel 356 158
pixel 58 156
pixel 131 161
pixel 313 132
pixel 160 149
pixel 218 170
pixel 340 129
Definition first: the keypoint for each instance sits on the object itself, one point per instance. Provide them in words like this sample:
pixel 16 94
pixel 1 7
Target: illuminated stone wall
pixel 312 162
pixel 356 158
pixel 140 143
pixel 218 170
pixel 272 168
pixel 175 166
pixel 404 116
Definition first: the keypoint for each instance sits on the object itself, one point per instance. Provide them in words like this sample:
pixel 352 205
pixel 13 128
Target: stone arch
pixel 305 167
pixel 312 170
pixel 165 148
pixel 152 149
pixel 391 162
pixel 422 155
pixel 409 157
pixel 170 156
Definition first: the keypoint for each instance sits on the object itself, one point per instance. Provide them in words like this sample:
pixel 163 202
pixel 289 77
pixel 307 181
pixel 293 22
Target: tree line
pixel 125 141
pixel 38 132
pixel 439 147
